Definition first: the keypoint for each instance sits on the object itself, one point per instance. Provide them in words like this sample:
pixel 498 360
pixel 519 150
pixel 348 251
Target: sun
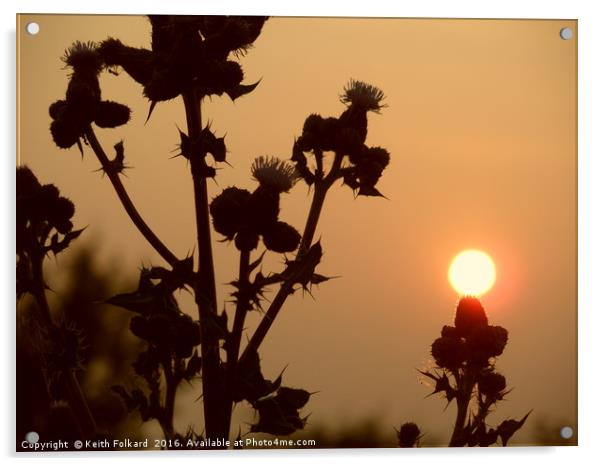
pixel 472 272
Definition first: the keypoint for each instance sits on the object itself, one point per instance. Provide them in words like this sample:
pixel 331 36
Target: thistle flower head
pixel 27 183
pixel 275 173
pixel 281 237
pixel 492 384
pixel 363 95
pixel 449 352
pixel 470 315
pixel 83 56
pixel 408 435
pixel 486 343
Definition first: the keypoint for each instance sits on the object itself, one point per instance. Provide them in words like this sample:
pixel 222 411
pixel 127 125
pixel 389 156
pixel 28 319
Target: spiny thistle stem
pixel 215 401
pixel 286 289
pixel 242 305
pixel 318 200
pixel 481 415
pixel 465 385
pixel 127 203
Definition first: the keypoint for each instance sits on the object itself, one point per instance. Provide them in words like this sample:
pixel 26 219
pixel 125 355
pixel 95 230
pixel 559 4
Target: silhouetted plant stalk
pixel 190 58
pixel 465 355
pixel 322 185
pixel 113 168
pixel 216 407
pixel 44 227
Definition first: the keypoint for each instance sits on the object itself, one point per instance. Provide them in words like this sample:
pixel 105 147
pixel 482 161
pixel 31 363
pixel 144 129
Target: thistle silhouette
pixel 465 355
pixel 44 227
pixel 194 57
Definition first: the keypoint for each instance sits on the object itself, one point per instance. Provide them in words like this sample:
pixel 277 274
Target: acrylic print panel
pixel 328 219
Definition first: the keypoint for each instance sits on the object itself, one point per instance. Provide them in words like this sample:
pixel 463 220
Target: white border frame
pixel 589 191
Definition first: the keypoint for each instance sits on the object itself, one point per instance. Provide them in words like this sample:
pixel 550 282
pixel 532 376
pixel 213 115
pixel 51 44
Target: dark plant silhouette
pixel 107 350
pixel 408 435
pixel 465 356
pixel 193 57
pixel 44 227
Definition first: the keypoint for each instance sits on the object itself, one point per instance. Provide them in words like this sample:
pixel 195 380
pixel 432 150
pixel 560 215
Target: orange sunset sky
pixel 481 127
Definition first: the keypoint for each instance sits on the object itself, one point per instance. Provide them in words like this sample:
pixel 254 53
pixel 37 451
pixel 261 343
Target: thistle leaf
pixel 509 427
pixel 366 190
pixel 253 265
pixel 294 397
pixel 316 279
pixel 140 302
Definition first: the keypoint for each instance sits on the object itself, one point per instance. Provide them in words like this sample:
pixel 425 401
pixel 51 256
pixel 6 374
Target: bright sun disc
pixel 472 272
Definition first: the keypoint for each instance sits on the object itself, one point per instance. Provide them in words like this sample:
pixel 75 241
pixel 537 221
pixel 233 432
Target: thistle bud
pixel 26 181
pixel 47 198
pixel 246 239
pixel 273 173
pixel 83 96
pixel 211 25
pixel 111 114
pixel 229 210
pixel 500 339
pixel 264 206
pixel 312 132
pixel 408 435
pixel 347 141
pixel 57 108
pixel 160 330
pixel 492 383
pixel 138 63
pixel 363 96
pixel 487 342
pixel 66 131
pixel 448 331
pixel 356 120
pixel 449 353
pixel 163 85
pixel 229 34
pixel 320 133
pixel 378 156
pixel 281 237
pixel 360 98
pixel 61 213
pixel 219 76
pixel 470 315
pixel 83 57
pixel 242 31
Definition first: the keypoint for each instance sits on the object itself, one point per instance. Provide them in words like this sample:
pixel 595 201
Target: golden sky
pixel 481 127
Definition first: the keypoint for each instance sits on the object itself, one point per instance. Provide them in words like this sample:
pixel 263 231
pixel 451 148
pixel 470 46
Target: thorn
pixel 150 111
pixel 81 149
pixel 428 374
